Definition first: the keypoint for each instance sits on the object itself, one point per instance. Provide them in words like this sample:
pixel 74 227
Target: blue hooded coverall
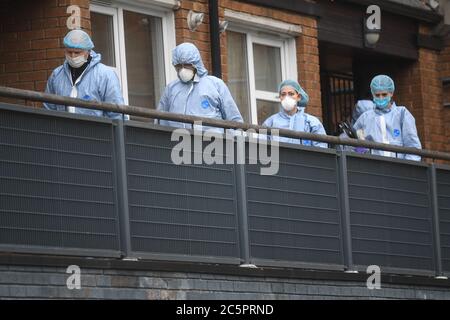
pixel 204 96
pixel 98 82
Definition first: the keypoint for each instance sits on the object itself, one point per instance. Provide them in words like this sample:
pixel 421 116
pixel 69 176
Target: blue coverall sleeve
pixel 163 104
pixel 267 123
pixel 409 135
pixel 317 128
pixel 357 125
pixel 112 93
pixel 229 108
pixel 49 89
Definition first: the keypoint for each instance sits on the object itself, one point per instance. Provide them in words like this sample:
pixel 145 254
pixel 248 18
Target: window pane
pixel 102 36
pixel 266 109
pixel 145 59
pixel 267 61
pixel 237 72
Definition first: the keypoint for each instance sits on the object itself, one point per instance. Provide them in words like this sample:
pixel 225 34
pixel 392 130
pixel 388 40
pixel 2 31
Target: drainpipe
pixel 215 38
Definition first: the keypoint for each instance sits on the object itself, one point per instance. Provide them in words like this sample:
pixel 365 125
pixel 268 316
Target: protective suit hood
pixel 187 53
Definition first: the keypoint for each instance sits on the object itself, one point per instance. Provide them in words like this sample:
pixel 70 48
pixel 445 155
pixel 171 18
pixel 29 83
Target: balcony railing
pixel 88 186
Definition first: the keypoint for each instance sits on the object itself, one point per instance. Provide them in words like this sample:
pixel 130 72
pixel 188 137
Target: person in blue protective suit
pixel 83 76
pixel 387 122
pixel 195 92
pixel 361 106
pixel 293 116
pixel 346 127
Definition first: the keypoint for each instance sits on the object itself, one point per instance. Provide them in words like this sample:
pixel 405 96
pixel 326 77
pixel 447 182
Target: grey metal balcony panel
pixel 187 209
pixel 57 183
pixel 294 215
pixel 390 214
pixel 443 190
pixel 58 196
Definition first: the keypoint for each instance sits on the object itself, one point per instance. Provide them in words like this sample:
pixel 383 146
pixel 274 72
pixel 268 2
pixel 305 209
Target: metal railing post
pixel 435 220
pixel 241 196
pixel 345 210
pixel 122 187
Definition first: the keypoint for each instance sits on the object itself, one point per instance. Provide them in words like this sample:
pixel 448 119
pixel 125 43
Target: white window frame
pixel 113 13
pixel 151 8
pixel 260 94
pixel 288 57
pixel 270 32
pixel 288 62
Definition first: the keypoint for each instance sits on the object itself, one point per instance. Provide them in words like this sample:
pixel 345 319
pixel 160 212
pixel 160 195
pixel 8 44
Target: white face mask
pixel 77 61
pixel 185 74
pixel 288 103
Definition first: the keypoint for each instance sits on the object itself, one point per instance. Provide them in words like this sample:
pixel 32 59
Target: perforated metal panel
pixel 59 192
pixel 56 183
pixel 390 214
pixel 294 215
pixel 186 209
pixel 443 191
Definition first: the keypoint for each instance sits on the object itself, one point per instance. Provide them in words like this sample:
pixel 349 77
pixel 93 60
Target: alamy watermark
pixel 74 21
pixel 374 280
pixel 373 21
pixel 220 148
pixel 74 280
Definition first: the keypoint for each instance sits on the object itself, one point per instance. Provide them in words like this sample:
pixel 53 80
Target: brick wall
pixel 200 37
pixel 420 90
pixel 408 93
pixel 31 40
pixel 444 67
pixel 18 281
pixel 434 130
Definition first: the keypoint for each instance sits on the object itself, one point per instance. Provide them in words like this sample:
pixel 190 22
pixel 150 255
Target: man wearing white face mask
pixel 293 117
pixel 83 76
pixel 195 92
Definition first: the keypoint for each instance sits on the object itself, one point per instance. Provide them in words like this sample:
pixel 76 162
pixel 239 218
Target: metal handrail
pixel 151 113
